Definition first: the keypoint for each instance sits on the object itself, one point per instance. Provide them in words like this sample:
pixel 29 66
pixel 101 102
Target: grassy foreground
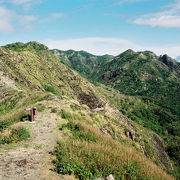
pixel 88 154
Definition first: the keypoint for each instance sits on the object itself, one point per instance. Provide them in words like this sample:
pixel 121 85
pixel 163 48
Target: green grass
pixel 88 155
pixel 18 113
pixel 79 132
pixel 40 107
pixel 74 107
pixel 92 166
pixel 65 115
pixel 9 100
pixel 16 135
pixel 54 110
pixel 49 88
pixel 11 120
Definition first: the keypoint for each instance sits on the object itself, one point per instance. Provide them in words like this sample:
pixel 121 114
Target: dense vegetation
pixel 16 135
pixel 81 154
pixel 151 86
pixel 81 61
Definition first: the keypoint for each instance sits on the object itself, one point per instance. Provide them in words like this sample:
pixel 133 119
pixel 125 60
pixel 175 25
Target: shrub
pixel 88 155
pixel 17 134
pixel 79 132
pixel 74 107
pixel 41 107
pixel 11 120
pixel 54 110
pixel 49 88
pixel 65 115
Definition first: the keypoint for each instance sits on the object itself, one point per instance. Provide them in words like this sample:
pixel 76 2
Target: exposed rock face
pixel 170 62
pixel 110 177
pixel 167 60
pixel 160 152
pixel 130 132
pixel 91 100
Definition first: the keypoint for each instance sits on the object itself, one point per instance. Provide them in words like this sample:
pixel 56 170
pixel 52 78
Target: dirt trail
pixel 31 160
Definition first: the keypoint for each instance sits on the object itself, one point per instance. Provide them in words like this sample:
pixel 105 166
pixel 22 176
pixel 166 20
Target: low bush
pixel 74 107
pixel 4 124
pixel 16 135
pixel 65 115
pixel 49 88
pixel 54 110
pixel 79 132
pixel 40 107
pixel 88 154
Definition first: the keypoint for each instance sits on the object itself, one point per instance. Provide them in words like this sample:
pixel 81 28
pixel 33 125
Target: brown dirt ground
pixel 32 159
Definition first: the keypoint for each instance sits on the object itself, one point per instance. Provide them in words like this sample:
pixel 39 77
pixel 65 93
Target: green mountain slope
pixel 152 88
pixel 95 139
pixel 155 79
pixel 83 62
pixel 34 67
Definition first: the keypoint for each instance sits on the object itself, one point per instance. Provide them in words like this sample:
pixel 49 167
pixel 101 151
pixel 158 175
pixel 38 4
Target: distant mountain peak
pixel 129 51
pixel 168 60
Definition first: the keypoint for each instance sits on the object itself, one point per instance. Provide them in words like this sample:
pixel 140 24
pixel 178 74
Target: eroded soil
pixel 32 159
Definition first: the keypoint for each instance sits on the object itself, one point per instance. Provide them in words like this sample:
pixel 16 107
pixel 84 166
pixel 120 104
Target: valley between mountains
pixel 96 115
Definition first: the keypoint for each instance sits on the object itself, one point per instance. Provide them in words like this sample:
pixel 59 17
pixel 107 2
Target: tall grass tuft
pixel 16 135
pixel 89 154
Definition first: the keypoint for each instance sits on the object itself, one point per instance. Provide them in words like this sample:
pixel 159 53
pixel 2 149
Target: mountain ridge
pixel 149 78
pixel 93 116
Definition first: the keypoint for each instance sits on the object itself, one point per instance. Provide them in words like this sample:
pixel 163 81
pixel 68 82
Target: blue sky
pixel 97 26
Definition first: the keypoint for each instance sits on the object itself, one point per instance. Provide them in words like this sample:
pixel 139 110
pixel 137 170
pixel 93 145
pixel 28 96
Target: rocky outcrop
pixel 110 177
pixel 160 152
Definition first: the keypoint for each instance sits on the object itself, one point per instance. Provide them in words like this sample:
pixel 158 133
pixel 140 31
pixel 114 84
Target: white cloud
pixel 29 18
pixel 9 17
pixel 6 18
pixel 26 20
pixel 127 1
pixel 52 17
pixel 169 17
pixel 20 1
pixel 57 15
pixel 26 4
pixel 100 46
pixel 5 26
pixel 162 21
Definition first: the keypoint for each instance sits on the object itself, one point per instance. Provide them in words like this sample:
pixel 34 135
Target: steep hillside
pixel 155 79
pixel 81 61
pixel 33 67
pixel 94 138
pixel 151 86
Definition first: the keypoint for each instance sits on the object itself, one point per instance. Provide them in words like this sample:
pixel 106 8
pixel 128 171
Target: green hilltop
pixel 83 62
pixel 34 67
